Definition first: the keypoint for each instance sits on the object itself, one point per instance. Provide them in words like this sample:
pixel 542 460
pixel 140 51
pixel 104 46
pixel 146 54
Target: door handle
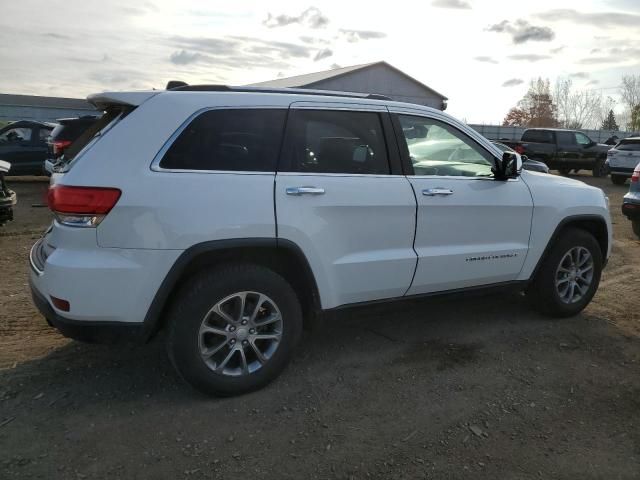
pixel 432 192
pixel 304 191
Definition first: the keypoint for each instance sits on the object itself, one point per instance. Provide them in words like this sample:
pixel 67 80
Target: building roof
pixel 311 79
pixel 44 102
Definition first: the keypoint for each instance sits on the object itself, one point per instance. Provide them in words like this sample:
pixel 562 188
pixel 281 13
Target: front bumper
pixel 90 332
pixel 621 171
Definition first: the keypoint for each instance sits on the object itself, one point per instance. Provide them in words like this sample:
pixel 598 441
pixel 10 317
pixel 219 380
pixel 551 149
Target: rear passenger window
pixel 335 141
pixel 246 140
pixel 566 138
pixel 537 136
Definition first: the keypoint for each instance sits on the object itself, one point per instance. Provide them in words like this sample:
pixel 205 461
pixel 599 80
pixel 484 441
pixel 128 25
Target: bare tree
pixel 577 108
pixel 630 95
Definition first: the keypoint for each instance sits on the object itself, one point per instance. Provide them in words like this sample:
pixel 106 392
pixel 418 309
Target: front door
pixel 338 198
pixel 472 230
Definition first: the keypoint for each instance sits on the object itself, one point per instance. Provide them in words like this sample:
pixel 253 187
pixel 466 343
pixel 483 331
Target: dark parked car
pixel 63 135
pixel 7 197
pixel 563 150
pixel 631 202
pixel 527 163
pixel 24 145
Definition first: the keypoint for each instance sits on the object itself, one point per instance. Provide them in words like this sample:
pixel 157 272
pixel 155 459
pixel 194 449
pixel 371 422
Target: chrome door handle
pixel 431 192
pixel 304 191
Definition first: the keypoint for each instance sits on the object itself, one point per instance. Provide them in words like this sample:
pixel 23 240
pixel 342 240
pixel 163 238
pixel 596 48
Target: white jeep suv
pixel 231 216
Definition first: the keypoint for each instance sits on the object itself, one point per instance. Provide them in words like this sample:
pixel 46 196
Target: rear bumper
pixel 621 171
pixel 631 208
pixel 90 332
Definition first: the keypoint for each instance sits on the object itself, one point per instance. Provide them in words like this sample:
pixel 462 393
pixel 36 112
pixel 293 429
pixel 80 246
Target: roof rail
pixel 301 91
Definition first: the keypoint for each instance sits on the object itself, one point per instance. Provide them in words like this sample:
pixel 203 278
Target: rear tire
pixel 569 275
pixel 635 225
pixel 247 315
pixel 618 179
pixel 564 171
pixel 600 168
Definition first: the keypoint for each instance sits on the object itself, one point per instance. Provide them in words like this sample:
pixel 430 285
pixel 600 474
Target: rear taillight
pixel 81 206
pixel 59 146
pixel 636 175
pixel 519 149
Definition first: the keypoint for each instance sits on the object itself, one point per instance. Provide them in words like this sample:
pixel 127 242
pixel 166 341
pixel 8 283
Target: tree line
pixel 567 107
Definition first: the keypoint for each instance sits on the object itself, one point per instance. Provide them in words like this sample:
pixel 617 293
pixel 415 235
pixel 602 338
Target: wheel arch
pixel 283 256
pixel 594 224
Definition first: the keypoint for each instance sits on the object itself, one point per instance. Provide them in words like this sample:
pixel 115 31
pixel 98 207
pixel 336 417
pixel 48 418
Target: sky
pixel 481 54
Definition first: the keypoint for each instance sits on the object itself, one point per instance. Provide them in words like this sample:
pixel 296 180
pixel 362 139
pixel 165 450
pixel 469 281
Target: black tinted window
pixel 335 142
pixel 236 140
pixel 566 138
pixel 539 136
pixel 629 145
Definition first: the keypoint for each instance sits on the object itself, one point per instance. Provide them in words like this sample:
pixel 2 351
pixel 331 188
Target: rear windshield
pixel 71 130
pixel 538 136
pixel 107 121
pixel 629 145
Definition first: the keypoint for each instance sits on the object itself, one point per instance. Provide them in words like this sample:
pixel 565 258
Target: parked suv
pixel 230 217
pixel 62 137
pixel 623 158
pixel 563 150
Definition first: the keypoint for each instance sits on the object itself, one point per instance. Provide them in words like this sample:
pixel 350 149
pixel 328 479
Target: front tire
pixel 618 179
pixel 569 275
pixel 233 329
pixel 564 171
pixel 635 225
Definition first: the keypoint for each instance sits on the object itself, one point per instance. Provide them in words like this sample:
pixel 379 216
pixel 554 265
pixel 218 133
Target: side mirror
pixel 508 166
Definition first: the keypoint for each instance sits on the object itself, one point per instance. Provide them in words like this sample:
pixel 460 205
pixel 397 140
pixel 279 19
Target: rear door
pixel 341 197
pixel 472 230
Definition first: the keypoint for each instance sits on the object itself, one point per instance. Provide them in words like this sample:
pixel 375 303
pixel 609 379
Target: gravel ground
pixel 476 386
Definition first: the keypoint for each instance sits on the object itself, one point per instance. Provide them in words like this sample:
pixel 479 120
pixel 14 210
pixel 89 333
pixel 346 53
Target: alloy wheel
pixel 240 333
pixel 574 275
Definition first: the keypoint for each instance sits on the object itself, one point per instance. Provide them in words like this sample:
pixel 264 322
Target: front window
pixel 436 148
pixel 582 139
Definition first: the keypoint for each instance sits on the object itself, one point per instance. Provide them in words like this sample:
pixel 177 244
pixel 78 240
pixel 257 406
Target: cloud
pixel 485 59
pixel 353 36
pixel 593 82
pixel 183 57
pixel 597 60
pixel 522 31
pixel 600 19
pixel 322 54
pixel 513 82
pixel 57 36
pixel 558 49
pixel 456 4
pixel 528 57
pixel 579 75
pixel 335 66
pixel 311 17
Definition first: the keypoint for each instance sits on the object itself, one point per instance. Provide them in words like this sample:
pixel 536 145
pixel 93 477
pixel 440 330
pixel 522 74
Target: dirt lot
pixel 481 387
